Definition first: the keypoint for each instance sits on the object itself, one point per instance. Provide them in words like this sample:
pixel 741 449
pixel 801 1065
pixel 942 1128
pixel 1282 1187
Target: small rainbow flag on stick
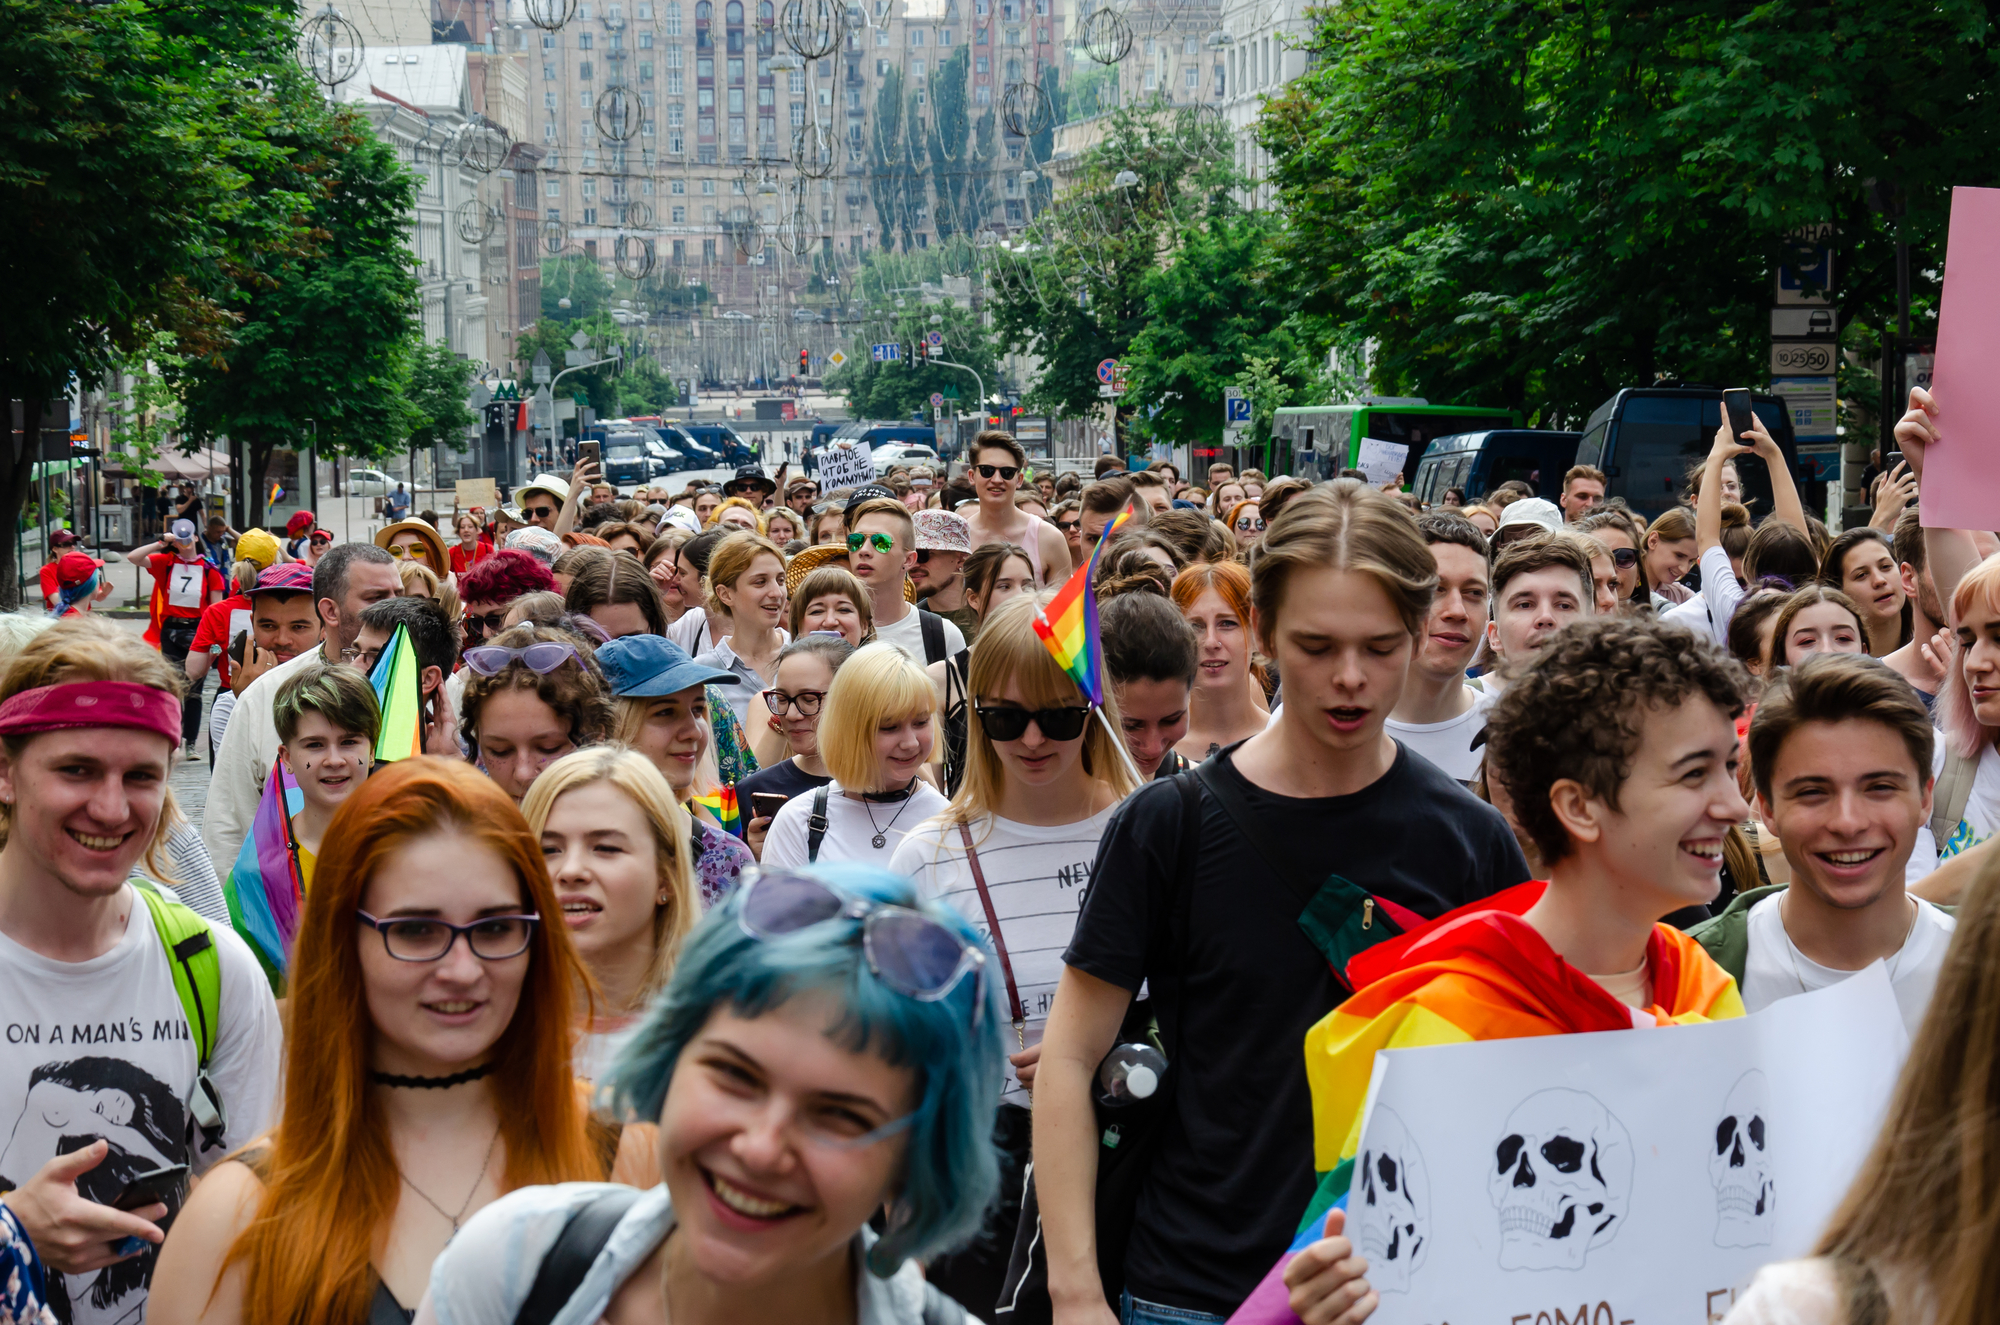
pixel 721 802
pixel 400 699
pixel 1068 624
pixel 263 890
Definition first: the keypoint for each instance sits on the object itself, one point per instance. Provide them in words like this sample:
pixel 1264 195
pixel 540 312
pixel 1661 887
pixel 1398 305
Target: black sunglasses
pixel 537 512
pixel 477 626
pixel 1008 724
pixel 998 471
pixel 1624 558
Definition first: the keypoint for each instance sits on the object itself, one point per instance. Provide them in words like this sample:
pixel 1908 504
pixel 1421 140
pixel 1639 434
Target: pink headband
pixel 92 704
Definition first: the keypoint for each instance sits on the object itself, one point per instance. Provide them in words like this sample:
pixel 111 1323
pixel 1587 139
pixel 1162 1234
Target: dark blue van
pixel 723 440
pixel 1477 462
pixel 1646 439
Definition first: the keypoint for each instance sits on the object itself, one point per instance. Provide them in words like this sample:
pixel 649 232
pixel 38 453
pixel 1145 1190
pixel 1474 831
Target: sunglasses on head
pixel 998 471
pixel 1009 723
pixel 540 658
pixel 883 543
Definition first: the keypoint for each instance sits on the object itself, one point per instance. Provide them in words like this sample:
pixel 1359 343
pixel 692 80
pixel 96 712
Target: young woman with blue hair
pixel 829 1046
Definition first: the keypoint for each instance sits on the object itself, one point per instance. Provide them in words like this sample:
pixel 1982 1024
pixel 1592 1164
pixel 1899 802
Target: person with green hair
pixel 327 721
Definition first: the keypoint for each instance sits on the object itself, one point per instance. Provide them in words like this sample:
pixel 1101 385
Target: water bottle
pixel 1129 1074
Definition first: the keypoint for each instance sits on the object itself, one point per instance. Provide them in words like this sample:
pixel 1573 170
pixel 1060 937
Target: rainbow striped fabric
pixel 401 699
pixel 1068 625
pixel 1478 973
pixel 263 888
pixel 722 804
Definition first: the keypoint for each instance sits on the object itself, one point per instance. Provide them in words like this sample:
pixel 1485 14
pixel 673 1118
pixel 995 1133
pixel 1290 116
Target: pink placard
pixel 1961 488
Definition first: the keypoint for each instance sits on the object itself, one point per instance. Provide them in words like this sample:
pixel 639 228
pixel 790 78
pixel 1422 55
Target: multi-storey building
pixel 1265 51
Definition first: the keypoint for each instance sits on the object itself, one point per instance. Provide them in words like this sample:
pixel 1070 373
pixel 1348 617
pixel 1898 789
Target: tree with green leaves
pixel 645 388
pixel 1534 203
pixel 610 389
pixel 325 341
pixel 440 382
pixel 578 279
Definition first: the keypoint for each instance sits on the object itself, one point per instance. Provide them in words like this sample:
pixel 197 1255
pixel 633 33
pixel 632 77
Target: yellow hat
pixel 257 546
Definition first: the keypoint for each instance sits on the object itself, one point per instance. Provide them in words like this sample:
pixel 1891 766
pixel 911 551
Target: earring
pixel 663 899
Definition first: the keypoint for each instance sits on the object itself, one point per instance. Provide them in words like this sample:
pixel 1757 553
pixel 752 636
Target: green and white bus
pixel 1318 441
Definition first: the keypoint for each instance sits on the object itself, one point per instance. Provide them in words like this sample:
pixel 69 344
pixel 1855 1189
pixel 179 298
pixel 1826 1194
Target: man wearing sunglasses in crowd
pixel 995 469
pixel 881 549
pixel 346 581
pixel 543 500
pixel 943 542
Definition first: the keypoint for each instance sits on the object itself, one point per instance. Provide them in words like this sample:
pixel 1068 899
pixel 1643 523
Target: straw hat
pixel 432 540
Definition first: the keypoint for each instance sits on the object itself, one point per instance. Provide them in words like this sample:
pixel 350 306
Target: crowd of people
pixel 768 919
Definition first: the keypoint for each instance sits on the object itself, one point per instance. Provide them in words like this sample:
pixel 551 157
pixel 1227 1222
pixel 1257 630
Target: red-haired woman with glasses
pixel 429 984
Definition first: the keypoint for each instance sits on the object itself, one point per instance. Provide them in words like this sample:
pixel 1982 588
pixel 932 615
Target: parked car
pixel 665 457
pixel 369 483
pixel 1645 439
pixel 890 454
pixel 1477 462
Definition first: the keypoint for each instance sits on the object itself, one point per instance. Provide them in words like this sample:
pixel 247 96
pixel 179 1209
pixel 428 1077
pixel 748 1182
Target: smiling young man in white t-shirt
pixel 881 548
pixel 1438 714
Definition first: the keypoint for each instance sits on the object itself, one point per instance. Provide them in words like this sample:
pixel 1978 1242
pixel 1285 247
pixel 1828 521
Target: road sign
pixel 1106 391
pixel 937 398
pixel 934 339
pixel 540 368
pixel 836 359
pixel 890 352
pixel 575 358
pixel 1803 358
pixel 579 340
pixel 1107 370
pixel 1235 408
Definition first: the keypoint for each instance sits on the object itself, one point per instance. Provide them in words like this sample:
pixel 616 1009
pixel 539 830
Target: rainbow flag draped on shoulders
pixel 399 696
pixel 263 889
pixel 1478 973
pixel 1068 625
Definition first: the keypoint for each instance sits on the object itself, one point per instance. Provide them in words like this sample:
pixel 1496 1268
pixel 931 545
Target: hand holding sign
pixel 1965 485
pixel 846 466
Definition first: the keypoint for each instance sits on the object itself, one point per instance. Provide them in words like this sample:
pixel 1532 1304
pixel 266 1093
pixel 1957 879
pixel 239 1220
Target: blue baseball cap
pixel 644 666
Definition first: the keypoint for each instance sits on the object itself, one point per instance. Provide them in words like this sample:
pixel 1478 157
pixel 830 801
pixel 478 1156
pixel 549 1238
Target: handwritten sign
pixel 1381 461
pixel 845 466
pixel 471 492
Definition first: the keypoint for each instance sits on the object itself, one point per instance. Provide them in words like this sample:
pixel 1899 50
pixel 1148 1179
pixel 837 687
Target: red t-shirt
pixel 215 632
pixel 180 589
pixel 50 587
pixel 461 562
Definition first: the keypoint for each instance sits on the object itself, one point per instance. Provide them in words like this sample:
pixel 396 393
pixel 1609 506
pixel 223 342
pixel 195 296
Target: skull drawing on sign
pixel 1388 1209
pixel 1739 1167
pixel 1561 1180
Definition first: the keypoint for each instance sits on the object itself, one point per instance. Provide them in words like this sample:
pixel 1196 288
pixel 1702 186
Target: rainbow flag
pixel 401 700
pixel 263 889
pixel 1068 624
pixel 722 804
pixel 1478 973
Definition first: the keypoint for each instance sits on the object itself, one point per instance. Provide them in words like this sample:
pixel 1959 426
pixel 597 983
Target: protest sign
pixel 470 492
pixel 1619 1178
pixel 1962 472
pixel 1382 462
pixel 843 466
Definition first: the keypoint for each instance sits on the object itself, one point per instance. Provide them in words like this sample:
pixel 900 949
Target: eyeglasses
pixel 477 626
pixel 356 656
pixel 1624 558
pixel 998 471
pixel 907 950
pixel 1010 723
pixel 540 658
pixel 809 701
pixel 883 543
pixel 924 554
pixel 491 938
pixel 1249 523
pixel 538 512
pixel 409 551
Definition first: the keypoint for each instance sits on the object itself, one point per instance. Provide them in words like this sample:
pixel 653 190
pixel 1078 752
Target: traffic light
pixel 805 363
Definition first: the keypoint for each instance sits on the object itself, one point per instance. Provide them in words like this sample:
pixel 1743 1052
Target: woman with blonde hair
pixel 876 732
pixel 746 601
pixel 782 525
pixel 616 845
pixel 1227 704
pixel 740 512
pixel 427 1066
pixel 420 582
pixel 1042 777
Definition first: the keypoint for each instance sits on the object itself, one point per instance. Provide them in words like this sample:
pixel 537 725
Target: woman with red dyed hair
pixel 430 983
pixel 1228 702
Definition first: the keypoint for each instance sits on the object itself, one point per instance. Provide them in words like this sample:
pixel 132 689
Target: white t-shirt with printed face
pixel 1448 744
pixel 1036 877
pixel 852 827
pixel 1776 969
pixel 102 1049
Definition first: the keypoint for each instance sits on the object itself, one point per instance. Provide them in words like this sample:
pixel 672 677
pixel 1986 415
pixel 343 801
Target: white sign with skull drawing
pixel 1645 1175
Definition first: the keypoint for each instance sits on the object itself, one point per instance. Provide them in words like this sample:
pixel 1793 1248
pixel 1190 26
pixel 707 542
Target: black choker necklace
pixel 891 797
pixel 432 1083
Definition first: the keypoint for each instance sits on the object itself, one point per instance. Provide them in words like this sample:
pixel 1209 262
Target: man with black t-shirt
pixel 1311 840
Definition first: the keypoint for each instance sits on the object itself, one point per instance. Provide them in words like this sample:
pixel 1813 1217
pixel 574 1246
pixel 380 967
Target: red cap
pixel 73 568
pixel 300 522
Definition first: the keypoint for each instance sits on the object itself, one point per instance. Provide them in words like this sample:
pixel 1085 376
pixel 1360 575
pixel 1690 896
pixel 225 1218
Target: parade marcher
pixel 1841 753
pixel 1617 751
pixel 1199 883
pixel 1540 585
pixel 550 495
pixel 1228 701
pixel 809 1065
pixel 490 587
pixel 993 573
pixel 1669 549
pixel 184 584
pixel 80 584
pixel 792 707
pixel 1618 538
pixel 414 539
pixel 782 527
pixel 1862 564
pixel 535 695
pixel 693 631
pixel 472 546
pixel 328 723
pixel 1923 662
pixel 89 725
pixel 221 623
pixel 616 846
pixel 346 580
pixel 1816 619
pixel 1098 505
pixel 1721 590
pixel 943 541
pixel 60 541
pixel 746 603
pixel 616 593
pixel 666 709
pixel 876 733
pixel 282 622
pixel 434 640
pixel 1582 489
pixel 1439 715
pixel 738 513
pixel 427 1066
pixel 1014 850
pixel 830 598
pixel 880 549
pixel 298 530
pixel 1151 654
pixel 995 466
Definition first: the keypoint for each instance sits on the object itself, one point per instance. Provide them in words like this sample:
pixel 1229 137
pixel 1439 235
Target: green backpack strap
pixel 197 969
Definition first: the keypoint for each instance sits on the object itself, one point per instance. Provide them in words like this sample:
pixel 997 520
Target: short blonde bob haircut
pixel 635 775
pixel 879 684
pixel 739 503
pixel 730 561
pixel 1009 651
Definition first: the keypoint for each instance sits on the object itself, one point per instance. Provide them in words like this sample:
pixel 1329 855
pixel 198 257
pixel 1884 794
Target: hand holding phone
pixel 766 804
pixel 1736 402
